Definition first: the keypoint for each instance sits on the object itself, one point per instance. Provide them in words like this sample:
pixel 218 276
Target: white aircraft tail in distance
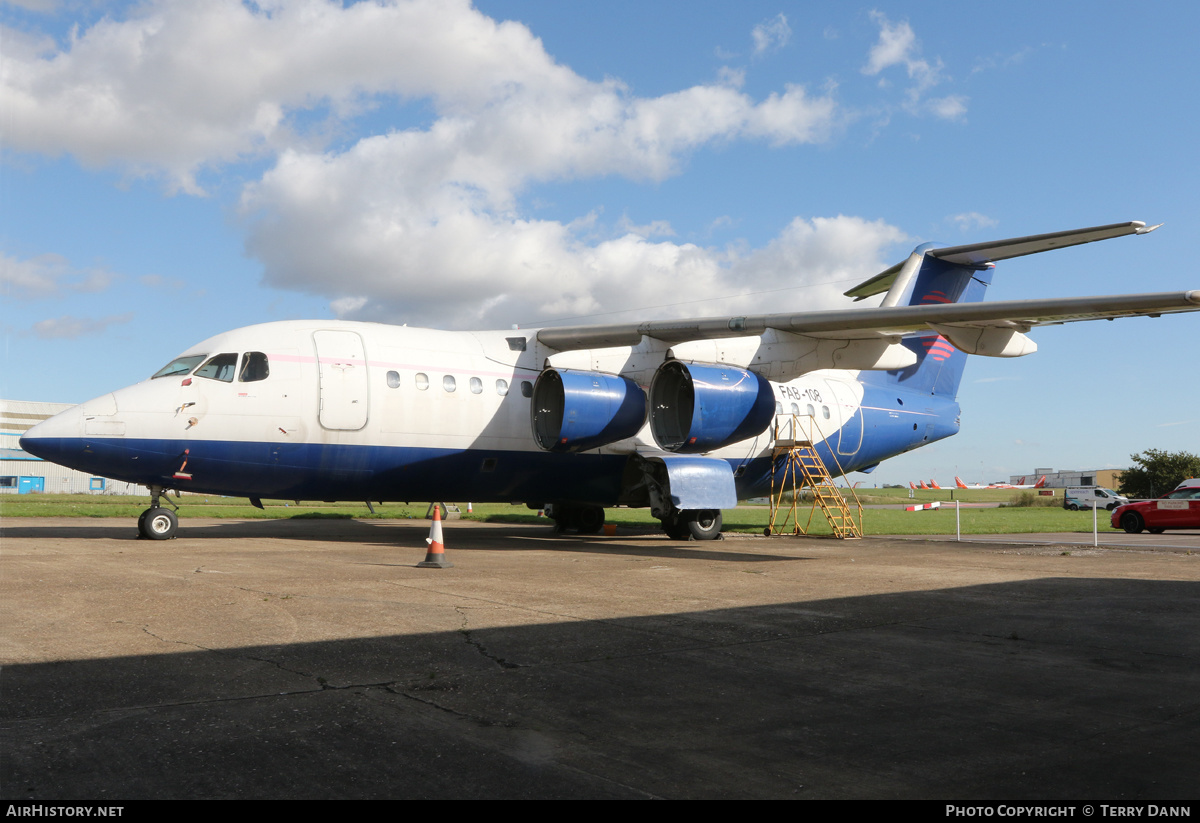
pixel 679 416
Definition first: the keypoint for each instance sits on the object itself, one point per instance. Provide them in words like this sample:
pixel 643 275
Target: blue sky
pixel 171 170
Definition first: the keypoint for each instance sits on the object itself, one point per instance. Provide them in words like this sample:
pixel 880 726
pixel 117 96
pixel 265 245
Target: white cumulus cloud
pixel 421 219
pixel 47 275
pixel 972 220
pixel 69 326
pixel 898 46
pixel 770 35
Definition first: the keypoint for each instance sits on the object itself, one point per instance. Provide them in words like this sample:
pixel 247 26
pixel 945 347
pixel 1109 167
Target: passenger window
pixel 476 386
pixel 502 387
pixel 393 379
pixel 778 407
pixel 526 388
pixel 795 409
pixel 254 367
pixel 221 367
pixel 422 381
pixel 448 383
pixel 825 412
pixel 812 412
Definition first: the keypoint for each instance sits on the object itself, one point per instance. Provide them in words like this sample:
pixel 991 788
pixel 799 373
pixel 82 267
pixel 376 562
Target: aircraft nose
pixel 51 439
pixel 59 439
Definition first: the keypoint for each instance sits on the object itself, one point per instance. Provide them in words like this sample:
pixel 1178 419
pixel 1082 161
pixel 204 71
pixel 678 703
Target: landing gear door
pixel 342 362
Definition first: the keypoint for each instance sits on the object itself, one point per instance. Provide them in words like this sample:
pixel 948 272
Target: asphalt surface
pixel 312 659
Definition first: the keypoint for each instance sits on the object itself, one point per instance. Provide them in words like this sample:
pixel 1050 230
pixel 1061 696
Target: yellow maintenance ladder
pixel 804 469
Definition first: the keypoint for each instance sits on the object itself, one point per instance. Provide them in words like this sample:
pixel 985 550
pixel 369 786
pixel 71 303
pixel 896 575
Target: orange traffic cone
pixel 435 558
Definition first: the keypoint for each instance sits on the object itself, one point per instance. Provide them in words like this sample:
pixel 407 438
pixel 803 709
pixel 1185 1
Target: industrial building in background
pixel 1108 478
pixel 22 473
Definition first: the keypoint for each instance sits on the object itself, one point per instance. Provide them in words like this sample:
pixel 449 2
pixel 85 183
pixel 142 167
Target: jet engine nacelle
pixel 697 408
pixel 574 411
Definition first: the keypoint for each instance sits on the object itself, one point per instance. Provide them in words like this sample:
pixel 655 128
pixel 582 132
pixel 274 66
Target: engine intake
pixel 698 408
pixel 574 411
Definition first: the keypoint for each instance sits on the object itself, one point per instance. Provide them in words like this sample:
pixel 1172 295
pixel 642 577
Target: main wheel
pixel 1132 522
pixel 704 524
pixel 158 524
pixel 675 527
pixel 589 519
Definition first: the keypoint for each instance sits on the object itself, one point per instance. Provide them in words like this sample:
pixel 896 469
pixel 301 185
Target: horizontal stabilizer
pixel 980 255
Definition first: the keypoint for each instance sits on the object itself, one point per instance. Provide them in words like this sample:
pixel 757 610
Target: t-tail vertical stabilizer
pixel 939 366
pixel 961 274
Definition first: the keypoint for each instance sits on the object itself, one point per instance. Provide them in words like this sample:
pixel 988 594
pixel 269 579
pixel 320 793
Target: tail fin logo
pixel 935 296
pixel 939 348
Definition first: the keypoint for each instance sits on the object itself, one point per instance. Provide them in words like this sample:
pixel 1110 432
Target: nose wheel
pixel 157 522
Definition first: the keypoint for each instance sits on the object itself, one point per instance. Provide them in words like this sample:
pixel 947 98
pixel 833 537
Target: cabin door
pixel 342 362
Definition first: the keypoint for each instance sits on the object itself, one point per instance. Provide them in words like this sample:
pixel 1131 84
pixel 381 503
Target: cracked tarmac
pixel 297 659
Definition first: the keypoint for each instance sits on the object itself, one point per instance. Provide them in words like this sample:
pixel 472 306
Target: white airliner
pixel 1041 483
pixel 675 415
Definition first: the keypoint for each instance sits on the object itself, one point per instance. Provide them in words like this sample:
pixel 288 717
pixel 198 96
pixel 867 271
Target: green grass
pixel 749 519
pixel 940 521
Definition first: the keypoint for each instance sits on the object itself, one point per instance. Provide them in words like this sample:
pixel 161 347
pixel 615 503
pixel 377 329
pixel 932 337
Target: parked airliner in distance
pixel 1041 482
pixel 675 415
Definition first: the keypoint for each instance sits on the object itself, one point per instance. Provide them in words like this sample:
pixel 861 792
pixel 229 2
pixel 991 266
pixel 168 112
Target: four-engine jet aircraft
pixel 675 415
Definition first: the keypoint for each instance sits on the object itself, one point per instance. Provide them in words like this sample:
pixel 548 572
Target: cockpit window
pixel 219 367
pixel 180 365
pixel 254 367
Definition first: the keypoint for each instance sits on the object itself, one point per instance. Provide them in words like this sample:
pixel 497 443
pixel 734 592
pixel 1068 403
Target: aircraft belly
pixel 350 472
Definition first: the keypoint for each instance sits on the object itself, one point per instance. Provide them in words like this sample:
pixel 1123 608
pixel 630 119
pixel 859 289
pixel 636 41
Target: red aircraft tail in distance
pixel 958 482
pixel 933 484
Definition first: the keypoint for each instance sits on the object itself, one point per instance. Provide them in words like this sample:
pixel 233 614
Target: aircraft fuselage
pixel 362 411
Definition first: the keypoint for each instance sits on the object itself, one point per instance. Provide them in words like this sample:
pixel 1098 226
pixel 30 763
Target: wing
pixel 876 322
pixel 935 291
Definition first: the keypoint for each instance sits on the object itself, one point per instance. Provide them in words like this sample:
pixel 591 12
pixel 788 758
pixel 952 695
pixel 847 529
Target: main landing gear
pixel 693 524
pixel 157 522
pixel 581 518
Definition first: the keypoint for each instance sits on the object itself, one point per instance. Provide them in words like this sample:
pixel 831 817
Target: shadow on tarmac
pixel 651 543
pixel 1051 688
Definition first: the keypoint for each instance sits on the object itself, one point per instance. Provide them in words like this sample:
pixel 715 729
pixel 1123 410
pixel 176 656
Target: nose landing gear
pixel 157 522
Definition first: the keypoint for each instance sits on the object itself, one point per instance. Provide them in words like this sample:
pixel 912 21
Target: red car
pixel 1179 509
